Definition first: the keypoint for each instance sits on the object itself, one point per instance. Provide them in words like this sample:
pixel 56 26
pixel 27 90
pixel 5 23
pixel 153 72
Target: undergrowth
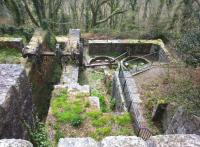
pixel 38 134
pixel 107 124
pixel 10 55
pixel 68 111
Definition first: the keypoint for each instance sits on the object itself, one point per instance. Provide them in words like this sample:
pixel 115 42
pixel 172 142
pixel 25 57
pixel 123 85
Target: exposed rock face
pixel 183 123
pixel 123 141
pixel 15 102
pixel 77 142
pixel 15 143
pixel 174 141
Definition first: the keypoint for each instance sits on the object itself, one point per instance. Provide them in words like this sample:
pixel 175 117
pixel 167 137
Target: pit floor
pixel 64 109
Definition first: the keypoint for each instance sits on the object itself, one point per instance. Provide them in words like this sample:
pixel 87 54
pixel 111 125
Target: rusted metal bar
pixel 119 57
pixel 102 64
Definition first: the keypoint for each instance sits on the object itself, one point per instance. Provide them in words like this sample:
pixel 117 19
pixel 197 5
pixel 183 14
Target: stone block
pixel 77 142
pixel 94 102
pixel 178 140
pixel 123 141
pixel 15 143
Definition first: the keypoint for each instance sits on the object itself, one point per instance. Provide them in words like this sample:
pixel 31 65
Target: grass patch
pixel 68 111
pixel 107 124
pixel 123 119
pixel 10 55
pixel 94 114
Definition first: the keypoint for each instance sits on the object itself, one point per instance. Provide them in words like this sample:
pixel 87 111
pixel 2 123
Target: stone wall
pixel 133 141
pixel 96 49
pixel 16 108
pixel 117 94
pixel 183 123
pixel 134 47
pixel 132 99
pixel 12 42
pixel 126 94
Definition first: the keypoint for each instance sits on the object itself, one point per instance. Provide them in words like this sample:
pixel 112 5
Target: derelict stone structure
pixel 133 47
pixel 12 42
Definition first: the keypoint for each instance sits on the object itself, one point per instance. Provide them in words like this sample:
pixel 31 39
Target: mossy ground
pixel 10 56
pixel 73 116
pixel 66 110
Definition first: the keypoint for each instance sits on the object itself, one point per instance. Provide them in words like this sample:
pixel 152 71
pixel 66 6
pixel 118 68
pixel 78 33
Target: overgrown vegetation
pixel 10 55
pixel 108 124
pixel 67 110
pixel 38 135
pixel 188 47
pixel 14 31
pixel 179 87
pixel 75 114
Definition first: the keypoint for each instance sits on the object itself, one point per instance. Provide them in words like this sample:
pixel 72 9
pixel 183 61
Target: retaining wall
pixel 126 93
pixel 134 47
pixel 12 42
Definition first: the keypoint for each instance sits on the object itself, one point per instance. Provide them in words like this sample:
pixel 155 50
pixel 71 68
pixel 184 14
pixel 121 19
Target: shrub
pixel 76 121
pixel 38 135
pixel 65 110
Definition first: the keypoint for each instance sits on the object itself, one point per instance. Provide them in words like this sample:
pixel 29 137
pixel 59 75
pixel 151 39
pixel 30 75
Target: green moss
pixel 94 114
pixel 103 120
pixel 10 55
pixel 76 121
pixel 67 111
pixel 100 133
pixel 96 76
pixel 108 124
pixel 123 119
